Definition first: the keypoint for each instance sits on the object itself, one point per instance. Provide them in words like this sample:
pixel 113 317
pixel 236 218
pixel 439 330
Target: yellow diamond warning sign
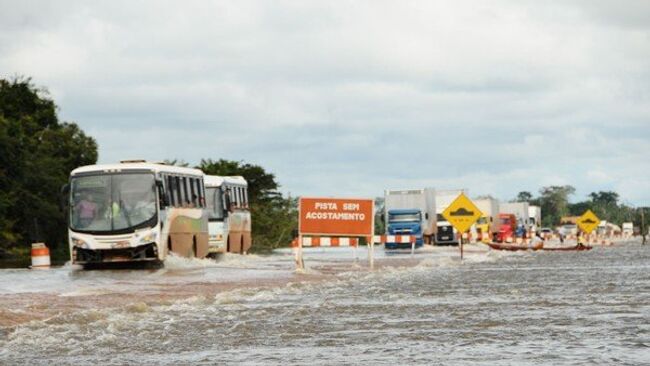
pixel 462 213
pixel 588 222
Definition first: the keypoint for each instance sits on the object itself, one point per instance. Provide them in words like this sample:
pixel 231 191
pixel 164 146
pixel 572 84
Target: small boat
pixel 575 247
pixel 515 247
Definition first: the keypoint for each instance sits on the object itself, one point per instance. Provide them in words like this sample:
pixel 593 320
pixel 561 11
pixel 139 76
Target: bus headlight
pixel 79 243
pixel 148 238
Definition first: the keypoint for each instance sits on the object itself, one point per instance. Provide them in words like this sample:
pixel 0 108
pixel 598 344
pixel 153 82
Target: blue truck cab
pixel 404 222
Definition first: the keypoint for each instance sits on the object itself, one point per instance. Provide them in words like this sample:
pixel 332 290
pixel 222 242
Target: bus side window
pixel 200 192
pixel 193 195
pixel 246 197
pixel 179 194
pixel 186 197
pixel 170 190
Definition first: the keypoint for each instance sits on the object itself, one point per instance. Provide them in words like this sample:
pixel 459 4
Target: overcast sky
pixel 348 98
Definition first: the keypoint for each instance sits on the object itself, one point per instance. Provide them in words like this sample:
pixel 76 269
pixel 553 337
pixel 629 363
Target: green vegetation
pixel 554 201
pixel 37 152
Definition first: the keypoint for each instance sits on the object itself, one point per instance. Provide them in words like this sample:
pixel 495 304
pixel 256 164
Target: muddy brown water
pixel 542 308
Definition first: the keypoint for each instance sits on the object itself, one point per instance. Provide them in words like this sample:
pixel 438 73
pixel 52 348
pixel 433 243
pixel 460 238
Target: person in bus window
pixel 87 209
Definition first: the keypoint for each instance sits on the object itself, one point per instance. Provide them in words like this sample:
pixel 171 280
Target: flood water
pixel 541 308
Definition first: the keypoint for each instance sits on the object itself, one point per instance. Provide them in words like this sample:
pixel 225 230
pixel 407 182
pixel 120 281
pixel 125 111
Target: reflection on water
pixel 494 308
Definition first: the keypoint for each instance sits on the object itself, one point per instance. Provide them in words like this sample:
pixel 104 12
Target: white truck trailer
pixel 519 209
pixel 628 229
pixel 410 212
pixel 488 223
pixel 446 234
pixel 534 218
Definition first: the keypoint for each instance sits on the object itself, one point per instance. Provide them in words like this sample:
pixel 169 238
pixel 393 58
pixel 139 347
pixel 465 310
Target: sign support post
pixel 461 246
pixel 371 252
pixel 300 264
pixel 370 243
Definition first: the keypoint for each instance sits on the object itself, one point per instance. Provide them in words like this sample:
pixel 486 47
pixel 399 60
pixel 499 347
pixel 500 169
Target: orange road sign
pixel 336 216
pixel 462 213
pixel 588 222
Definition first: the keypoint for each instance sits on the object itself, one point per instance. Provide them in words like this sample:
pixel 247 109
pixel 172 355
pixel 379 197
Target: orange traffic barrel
pixel 40 256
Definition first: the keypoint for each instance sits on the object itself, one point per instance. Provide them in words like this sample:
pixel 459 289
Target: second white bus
pixel 229 217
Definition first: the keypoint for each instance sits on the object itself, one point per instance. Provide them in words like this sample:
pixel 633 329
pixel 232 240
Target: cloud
pixel 350 98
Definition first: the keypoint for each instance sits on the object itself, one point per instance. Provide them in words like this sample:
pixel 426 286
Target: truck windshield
pixel 504 221
pixel 404 217
pixel 112 202
pixel 215 204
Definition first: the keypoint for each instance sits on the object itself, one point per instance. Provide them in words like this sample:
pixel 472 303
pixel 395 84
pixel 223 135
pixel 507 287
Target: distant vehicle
pixel 229 215
pixel 507 228
pixel 488 224
pixel 445 232
pixel 519 210
pixel 628 229
pixel 546 232
pixel 568 229
pixel 410 212
pixel 136 211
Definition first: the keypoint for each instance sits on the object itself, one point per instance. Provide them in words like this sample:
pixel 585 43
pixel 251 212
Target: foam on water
pixel 173 262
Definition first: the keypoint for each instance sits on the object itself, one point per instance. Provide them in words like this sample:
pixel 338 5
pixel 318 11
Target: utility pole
pixel 642 226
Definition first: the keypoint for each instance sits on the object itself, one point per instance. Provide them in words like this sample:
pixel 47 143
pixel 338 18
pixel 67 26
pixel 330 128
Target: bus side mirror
pixel 426 216
pixel 228 203
pixel 164 201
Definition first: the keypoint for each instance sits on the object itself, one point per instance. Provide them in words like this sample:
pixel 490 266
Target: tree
pixel 605 206
pixel 37 153
pixel 604 197
pixel 524 196
pixel 380 224
pixel 261 185
pixel 554 201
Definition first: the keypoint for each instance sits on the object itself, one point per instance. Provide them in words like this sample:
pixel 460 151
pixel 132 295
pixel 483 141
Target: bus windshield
pixel 112 202
pixel 215 204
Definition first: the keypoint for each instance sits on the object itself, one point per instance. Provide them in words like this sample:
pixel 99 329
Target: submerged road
pixel 522 308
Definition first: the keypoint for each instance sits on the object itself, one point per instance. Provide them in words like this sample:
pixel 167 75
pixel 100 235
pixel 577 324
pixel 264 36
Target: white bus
pixel 136 211
pixel 228 214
